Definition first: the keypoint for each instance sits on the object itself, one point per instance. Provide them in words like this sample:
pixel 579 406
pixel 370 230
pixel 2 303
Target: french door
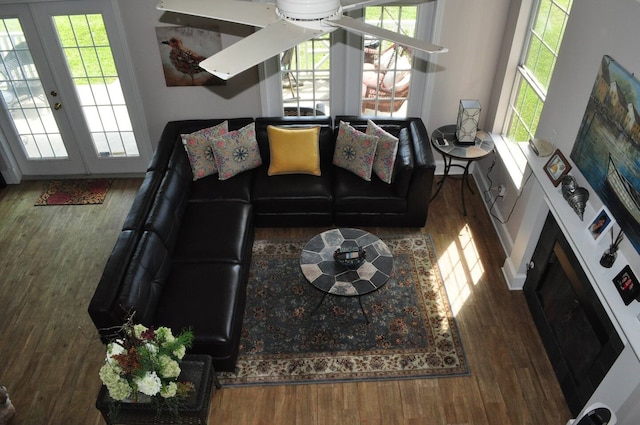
pixel 67 105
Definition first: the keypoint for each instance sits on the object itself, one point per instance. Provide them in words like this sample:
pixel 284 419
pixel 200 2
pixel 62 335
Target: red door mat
pixel 74 192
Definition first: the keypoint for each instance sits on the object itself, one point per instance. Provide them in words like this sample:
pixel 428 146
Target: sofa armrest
pixel 103 308
pixel 423 174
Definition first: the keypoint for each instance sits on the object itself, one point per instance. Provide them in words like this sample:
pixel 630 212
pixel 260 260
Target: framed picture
pixel 627 285
pixel 600 224
pixel 181 51
pixel 557 167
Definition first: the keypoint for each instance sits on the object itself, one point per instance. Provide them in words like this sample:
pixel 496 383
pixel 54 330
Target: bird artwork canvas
pixel 181 51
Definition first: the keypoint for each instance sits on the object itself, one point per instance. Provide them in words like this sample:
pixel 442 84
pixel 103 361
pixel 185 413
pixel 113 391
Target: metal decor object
pixel 575 195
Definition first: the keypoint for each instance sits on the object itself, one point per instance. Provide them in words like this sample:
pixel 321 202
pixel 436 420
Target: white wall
pixel 473 32
pixel 595 28
pixel 239 98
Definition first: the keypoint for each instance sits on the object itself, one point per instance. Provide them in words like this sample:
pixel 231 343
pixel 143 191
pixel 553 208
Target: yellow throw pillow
pixel 294 151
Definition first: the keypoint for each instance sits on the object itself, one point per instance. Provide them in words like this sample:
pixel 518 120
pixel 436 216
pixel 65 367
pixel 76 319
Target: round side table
pixel 444 141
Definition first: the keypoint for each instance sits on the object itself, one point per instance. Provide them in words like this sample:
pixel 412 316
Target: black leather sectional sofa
pixel 182 259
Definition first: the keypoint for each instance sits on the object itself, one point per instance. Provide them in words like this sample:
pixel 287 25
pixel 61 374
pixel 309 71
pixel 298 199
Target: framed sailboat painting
pixel 607 148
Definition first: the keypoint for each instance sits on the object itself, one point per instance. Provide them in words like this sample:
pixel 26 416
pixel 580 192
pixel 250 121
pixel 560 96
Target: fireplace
pixel 580 339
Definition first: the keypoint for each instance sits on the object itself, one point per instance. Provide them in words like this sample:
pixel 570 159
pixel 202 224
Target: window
pixel 306 69
pixel 387 66
pixel 305 78
pixel 545 32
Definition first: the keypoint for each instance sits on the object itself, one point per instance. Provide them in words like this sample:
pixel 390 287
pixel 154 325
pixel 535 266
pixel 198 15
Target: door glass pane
pixel 24 96
pixel 386 71
pixel 305 78
pixel 88 54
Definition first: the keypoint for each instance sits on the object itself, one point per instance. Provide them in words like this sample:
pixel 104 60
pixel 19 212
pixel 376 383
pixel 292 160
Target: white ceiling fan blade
pixel 241 12
pixel 351 24
pixel 258 47
pixel 348 5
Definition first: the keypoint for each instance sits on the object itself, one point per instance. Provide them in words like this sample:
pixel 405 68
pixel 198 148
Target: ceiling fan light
pixel 307 10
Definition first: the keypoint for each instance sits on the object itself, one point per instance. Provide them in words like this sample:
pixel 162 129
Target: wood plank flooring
pixel 51 259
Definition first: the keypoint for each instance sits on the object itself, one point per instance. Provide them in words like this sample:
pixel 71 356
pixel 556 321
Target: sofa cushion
pixel 386 152
pixel 294 150
pixel 354 195
pixel 215 231
pixel 208 298
pixel 292 193
pixel 236 188
pixel 200 151
pixel 237 151
pixel 145 278
pixel 355 151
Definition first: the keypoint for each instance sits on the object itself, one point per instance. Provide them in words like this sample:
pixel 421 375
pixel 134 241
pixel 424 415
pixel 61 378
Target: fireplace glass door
pixel 579 337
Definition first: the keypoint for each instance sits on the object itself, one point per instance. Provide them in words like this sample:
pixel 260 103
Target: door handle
pixel 54 93
pixel 57 106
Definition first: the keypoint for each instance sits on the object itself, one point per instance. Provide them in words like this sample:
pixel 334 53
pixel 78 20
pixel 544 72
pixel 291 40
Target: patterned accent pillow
pixel 355 151
pixel 236 152
pixel 199 150
pixel 385 152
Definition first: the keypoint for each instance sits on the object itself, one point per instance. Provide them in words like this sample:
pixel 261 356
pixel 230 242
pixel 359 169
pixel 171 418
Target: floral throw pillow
pixel 237 151
pixel 355 151
pixel 385 151
pixel 200 151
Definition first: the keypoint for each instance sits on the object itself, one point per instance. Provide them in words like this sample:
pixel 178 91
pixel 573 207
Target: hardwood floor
pixel 51 259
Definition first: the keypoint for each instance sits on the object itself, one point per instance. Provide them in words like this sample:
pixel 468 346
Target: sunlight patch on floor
pixel 471 255
pixel 461 268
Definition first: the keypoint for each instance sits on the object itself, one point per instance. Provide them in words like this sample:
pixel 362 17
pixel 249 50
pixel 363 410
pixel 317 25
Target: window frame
pixel 510 152
pixel 378 99
pixel 526 74
pixel 347 57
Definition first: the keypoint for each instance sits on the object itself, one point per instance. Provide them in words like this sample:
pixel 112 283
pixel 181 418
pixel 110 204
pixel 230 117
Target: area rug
pixel 285 340
pixel 74 192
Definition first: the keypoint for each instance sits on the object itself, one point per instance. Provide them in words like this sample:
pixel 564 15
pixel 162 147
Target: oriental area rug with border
pixel 285 340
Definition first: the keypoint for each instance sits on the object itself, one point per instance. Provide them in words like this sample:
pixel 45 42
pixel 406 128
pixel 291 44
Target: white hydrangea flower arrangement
pixel 146 361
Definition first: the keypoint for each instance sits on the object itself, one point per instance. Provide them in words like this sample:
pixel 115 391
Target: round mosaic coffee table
pixel 329 276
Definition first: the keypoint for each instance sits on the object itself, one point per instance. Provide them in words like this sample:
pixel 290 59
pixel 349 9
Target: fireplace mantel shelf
pixel 625 318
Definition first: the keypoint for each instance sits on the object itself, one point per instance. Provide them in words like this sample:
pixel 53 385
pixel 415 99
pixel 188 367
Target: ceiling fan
pixel 285 24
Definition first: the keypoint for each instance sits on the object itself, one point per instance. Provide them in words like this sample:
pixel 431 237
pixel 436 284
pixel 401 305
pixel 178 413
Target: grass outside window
pixel 86 47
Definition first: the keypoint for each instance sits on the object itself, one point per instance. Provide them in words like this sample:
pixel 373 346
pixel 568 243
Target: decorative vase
pixel 609 256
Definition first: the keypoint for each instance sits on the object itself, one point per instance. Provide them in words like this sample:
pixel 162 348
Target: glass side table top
pixel 482 147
